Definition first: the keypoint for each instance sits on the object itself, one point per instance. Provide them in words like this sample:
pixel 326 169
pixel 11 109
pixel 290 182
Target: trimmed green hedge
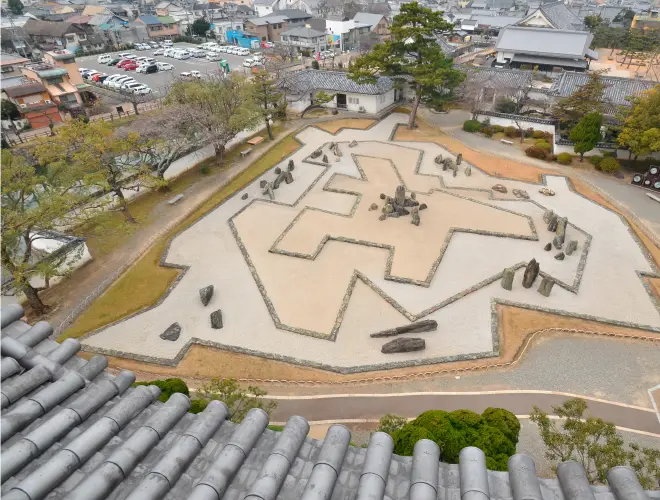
pixel 565 158
pixel 171 386
pixel 609 165
pixel 471 126
pixel 495 432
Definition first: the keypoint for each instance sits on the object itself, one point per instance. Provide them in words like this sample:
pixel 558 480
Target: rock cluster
pixel 400 205
pixel 172 332
pixel 546 192
pixel 427 325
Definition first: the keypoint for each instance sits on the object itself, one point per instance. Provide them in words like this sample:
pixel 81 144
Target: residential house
pixel 300 88
pixel 48 35
pixel 13 38
pixel 92 10
pixel 10 64
pixel 346 34
pixel 378 23
pixel 263 7
pixel 553 15
pixel 167 8
pixel 303 38
pixel 58 81
pixel 34 103
pixel 491 25
pixel 547 49
pixel 117 30
pixel 266 29
pixel 295 17
pixel 484 87
pixel 158 27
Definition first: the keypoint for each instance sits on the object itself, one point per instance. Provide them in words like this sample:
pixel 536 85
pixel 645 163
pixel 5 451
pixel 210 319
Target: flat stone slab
pixel 172 333
pixel 404 344
pixel 176 199
pixel 427 325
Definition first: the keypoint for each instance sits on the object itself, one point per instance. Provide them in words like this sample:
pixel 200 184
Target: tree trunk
pixel 270 133
pixel 124 206
pixel 135 107
pixel 581 157
pixel 413 113
pixel 34 300
pixel 219 153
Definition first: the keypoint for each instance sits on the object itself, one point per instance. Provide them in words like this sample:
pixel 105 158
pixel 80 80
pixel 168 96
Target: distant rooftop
pixel 544 42
pixel 306 80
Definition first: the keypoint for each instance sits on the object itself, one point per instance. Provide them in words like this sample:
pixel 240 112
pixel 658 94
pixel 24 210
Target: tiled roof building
pixel 616 92
pixel 70 430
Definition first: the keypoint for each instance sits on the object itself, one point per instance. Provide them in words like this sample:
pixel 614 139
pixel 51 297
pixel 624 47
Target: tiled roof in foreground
pixel 70 430
pixel 307 80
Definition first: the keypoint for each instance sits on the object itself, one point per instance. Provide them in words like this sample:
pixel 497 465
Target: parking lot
pixel 160 81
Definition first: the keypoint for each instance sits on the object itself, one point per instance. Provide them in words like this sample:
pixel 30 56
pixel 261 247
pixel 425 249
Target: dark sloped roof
pixel 616 92
pixel 23 90
pixel 149 19
pixel 303 32
pixel 561 16
pixel 49 28
pixel 307 80
pixel 498 78
pixel 71 430
pixel 291 14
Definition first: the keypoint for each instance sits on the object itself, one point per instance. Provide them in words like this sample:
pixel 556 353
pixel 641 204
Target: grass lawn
pixel 146 281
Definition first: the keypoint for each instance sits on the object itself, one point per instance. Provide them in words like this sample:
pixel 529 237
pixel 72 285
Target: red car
pixel 130 67
pixel 267 45
pixel 123 63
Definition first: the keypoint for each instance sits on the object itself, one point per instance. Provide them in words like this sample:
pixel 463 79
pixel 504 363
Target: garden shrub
pixel 167 387
pixel 315 65
pixel 204 169
pixel 495 432
pixel 544 145
pixel 565 158
pixel 487 131
pixel 538 134
pixel 595 160
pixel 609 165
pixel 535 152
pixel 511 132
pixel 198 405
pixel 471 126
pixel 498 128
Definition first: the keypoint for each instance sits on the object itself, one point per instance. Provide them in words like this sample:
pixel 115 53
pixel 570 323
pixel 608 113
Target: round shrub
pixel 535 152
pixel 565 158
pixel 487 131
pixel 595 160
pixel 503 420
pixel 511 132
pixel 544 145
pixel 609 165
pixel 198 405
pixel 471 126
pixel 538 134
pixel 167 387
pixel 406 437
pixel 498 128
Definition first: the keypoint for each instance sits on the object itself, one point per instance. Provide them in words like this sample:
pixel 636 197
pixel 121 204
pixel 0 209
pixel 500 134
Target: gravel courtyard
pixel 308 276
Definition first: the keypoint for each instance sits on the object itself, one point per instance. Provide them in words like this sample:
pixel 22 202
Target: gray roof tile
pixel 303 81
pixel 616 92
pixel 92 436
pixel 544 41
pixel 561 16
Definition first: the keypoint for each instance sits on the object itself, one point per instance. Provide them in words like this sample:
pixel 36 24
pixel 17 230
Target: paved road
pixel 349 406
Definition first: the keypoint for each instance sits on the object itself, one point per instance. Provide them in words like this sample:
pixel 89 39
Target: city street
pixel 160 81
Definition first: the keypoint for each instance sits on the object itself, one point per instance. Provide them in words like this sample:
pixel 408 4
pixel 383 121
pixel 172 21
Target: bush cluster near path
pixel 495 432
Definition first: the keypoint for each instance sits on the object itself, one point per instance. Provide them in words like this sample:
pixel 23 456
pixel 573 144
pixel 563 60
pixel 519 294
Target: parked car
pixel 116 83
pixel 103 58
pixel 142 46
pixel 213 56
pixel 143 90
pixel 125 62
pixel 82 70
pixel 131 56
pixel 148 68
pixel 110 79
pixel 267 45
pixel 100 78
pixel 97 76
pixel 127 83
pixel 154 44
pixel 191 74
pixel 164 66
pixel 123 55
pixel 159 52
pixel 242 51
pixel 167 43
pixel 88 75
pixel 130 67
pixel 197 53
pixel 248 63
pixel 131 87
pixel 114 61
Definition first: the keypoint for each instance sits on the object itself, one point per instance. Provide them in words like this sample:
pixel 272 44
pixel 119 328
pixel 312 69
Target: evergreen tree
pixel 586 133
pixel 200 26
pixel 267 95
pixel 584 100
pixel 16 7
pixel 412 51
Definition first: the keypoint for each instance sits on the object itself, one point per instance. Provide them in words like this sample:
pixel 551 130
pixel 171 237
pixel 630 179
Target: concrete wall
pixel 370 103
pixel 507 122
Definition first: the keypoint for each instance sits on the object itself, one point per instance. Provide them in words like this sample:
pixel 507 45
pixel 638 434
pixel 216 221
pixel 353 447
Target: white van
pixel 181 54
pixel 242 51
pixel 167 43
pixel 104 59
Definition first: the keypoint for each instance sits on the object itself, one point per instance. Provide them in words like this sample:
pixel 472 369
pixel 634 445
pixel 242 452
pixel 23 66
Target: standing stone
pixel 325 159
pixel 560 256
pixel 172 333
pixel 423 206
pixel 399 195
pixel 521 194
pixel 547 216
pixel 415 216
pixel 291 166
pixel 468 171
pixel 269 191
pixel 262 183
pixel 438 160
pixel 288 177
pixel 546 287
pixel 548 247
pixel 373 206
pixel 278 170
pixel 404 344
pixel 353 144
pixel 427 325
pixel 216 319
pixel 382 217
pixel 571 247
pixel 413 196
pixel 557 242
pixel 561 229
pixel 507 278
pixel 459 158
pixel 331 146
pixel 316 153
pixel 205 294
pixel 552 225
pixel 455 172
pixel 244 197
pixel 383 196
pixel 531 272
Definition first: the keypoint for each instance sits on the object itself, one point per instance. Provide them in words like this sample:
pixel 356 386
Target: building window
pixel 53 80
pixel 70 38
pixel 70 98
pixel 353 100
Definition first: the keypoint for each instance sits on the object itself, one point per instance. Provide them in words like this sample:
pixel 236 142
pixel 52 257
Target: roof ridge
pixel 121 442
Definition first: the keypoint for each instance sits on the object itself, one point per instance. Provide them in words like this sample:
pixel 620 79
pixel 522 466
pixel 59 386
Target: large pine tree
pixel 412 51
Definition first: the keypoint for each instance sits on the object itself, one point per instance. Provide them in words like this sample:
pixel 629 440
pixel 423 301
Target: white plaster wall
pixel 507 122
